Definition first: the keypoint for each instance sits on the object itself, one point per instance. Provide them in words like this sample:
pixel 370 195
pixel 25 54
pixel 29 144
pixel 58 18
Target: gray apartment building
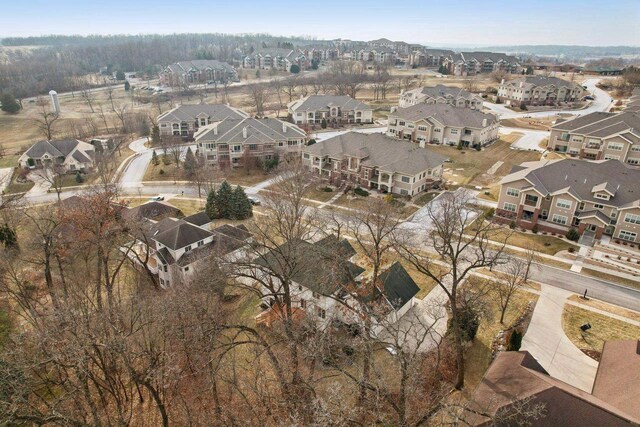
pixel 185 120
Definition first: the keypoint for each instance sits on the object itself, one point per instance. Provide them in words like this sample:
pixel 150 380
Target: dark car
pixel 254 200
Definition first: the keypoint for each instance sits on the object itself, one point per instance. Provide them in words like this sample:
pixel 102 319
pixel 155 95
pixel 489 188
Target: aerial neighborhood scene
pixel 299 214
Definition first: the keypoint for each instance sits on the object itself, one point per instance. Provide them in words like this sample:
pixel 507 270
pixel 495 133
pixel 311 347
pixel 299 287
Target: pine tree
pixel 154 158
pixel 127 86
pixel 223 199
pixel 155 135
pixel 211 208
pixel 8 236
pixel 235 210
pixel 245 209
pixel 190 163
pixel 9 103
pixel 79 178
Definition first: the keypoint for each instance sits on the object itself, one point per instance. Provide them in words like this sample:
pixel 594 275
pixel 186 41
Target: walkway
pixel 546 341
pixel 5 178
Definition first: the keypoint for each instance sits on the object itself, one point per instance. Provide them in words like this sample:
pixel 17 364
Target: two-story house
pixel 539 90
pixel 327 286
pixel 375 161
pixel 599 136
pixel 443 124
pixel 230 140
pixel 595 197
pixel 71 154
pixel 440 94
pixel 185 120
pixel 334 109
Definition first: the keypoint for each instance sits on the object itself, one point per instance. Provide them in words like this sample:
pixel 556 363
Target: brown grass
pixel 534 124
pixel 544 244
pixel 611 278
pixel 633 315
pixel 603 328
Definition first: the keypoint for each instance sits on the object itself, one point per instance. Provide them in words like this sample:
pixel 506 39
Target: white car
pixel 157 199
pixel 254 200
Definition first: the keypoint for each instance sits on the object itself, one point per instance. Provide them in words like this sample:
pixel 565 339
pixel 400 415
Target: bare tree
pixel 514 279
pixel 531 257
pixel 54 174
pixel 276 87
pixel 461 246
pixel 259 93
pixel 289 86
pixel 109 91
pixel 88 96
pixel 121 113
pixel 45 119
pixel 381 79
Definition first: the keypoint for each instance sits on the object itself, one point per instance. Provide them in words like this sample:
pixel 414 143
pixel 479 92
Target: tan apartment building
pixel 439 94
pixel 595 197
pixel 197 71
pixel 230 141
pixel 471 63
pixel 275 58
pixel 335 109
pixel 443 124
pixel 376 162
pixel 539 90
pixel 185 120
pixel 599 136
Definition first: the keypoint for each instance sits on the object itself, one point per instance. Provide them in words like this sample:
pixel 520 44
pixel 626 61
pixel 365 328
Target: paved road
pixel 530 140
pixel 321 136
pixel 602 102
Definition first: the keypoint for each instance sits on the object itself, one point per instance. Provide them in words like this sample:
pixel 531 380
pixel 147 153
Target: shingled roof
pixel 214 112
pixel 258 131
pixel 446 114
pixel 443 91
pixel 601 124
pixel 380 151
pixel 397 285
pixel 183 234
pixel 324 102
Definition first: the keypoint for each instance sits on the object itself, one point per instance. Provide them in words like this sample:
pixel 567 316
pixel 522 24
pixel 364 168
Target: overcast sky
pixel 441 22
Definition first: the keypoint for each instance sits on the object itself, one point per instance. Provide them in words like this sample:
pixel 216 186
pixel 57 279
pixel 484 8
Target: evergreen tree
pixel 323 123
pixel 8 236
pixel 295 69
pixel 154 158
pixel 79 178
pixel 235 211
pixel 120 75
pixel 127 86
pixel 155 135
pixel 223 199
pixel 190 163
pixel 244 207
pixel 9 103
pixel 211 208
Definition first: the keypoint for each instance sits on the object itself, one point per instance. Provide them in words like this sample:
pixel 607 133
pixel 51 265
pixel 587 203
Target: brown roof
pixel 152 210
pixel 618 379
pixel 516 376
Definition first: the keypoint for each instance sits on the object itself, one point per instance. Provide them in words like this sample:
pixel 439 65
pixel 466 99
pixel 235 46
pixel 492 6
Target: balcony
pixel 531 201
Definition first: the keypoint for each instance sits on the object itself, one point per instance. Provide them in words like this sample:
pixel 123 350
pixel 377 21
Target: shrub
pixel 515 341
pixel 534 229
pixel 512 225
pixel 571 250
pixel 469 323
pixel 295 69
pixel 311 141
pixel 326 189
pixel 573 235
pixel 489 213
pixel 360 192
pixel 161 171
pixel 31 162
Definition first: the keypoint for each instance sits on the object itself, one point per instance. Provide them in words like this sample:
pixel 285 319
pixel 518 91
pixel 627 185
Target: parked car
pixel 254 200
pixel 157 199
pixel 589 98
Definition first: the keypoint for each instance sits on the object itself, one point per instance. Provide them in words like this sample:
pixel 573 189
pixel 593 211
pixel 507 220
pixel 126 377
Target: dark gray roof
pixel 311 265
pixel 446 114
pixel 199 219
pixel 152 210
pixel 491 56
pixel 214 112
pixel 183 234
pixel 78 156
pixel 264 130
pixel 380 151
pixel 198 65
pixel 323 102
pixel 236 232
pixel 600 124
pixel 443 91
pixel 53 148
pixel 341 247
pixel 534 81
pixel 580 177
pixel 220 245
pixel 398 285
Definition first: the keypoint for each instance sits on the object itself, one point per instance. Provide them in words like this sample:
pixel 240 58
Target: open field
pixel 603 328
pixel 470 166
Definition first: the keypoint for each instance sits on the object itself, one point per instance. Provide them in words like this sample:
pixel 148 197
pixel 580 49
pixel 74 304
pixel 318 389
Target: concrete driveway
pixel 546 341
pixel 41 185
pixel 5 178
pixel 529 141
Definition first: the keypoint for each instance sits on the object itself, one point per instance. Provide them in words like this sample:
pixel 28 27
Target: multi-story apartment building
pixel 276 58
pixel 595 197
pixel 381 55
pixel 443 124
pixel 599 136
pixel 185 120
pixel 539 90
pixel 335 109
pixel 230 141
pixel 197 71
pixel 430 58
pixel 471 63
pixel 375 161
pixel 320 53
pixel 439 94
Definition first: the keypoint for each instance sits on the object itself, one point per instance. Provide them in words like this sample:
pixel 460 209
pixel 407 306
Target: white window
pixel 509 207
pixel 406 179
pixel 404 192
pixel 401 123
pixel 187 248
pixel 236 148
pixel 635 148
pixel 186 269
pixel 437 130
pixel 559 219
pixel 611 157
pixel 454 131
pixel 410 125
pixel 632 218
pixel 513 192
pixel 321 313
pixel 563 204
pixel 627 235
pixel 303 303
pixel 617 146
pixel 422 128
pixel 633 161
pixel 601 196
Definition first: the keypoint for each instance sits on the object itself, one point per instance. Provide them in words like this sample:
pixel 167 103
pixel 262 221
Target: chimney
pixel 215 129
pixel 484 123
pixel 401 91
pixel 244 132
pixel 284 127
pixel 521 84
pixel 565 177
pixel 502 82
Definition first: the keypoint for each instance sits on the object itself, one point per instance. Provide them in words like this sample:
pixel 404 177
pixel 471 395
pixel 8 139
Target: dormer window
pixel 187 248
pixel 601 196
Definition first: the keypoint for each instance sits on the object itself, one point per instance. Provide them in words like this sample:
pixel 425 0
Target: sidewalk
pixel 546 341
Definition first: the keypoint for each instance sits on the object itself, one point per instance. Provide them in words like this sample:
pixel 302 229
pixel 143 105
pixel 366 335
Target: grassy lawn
pixel 187 206
pixel 353 202
pixel 18 187
pixel 611 278
pixel 470 166
pixel 603 328
pixel 534 124
pixel 633 315
pixel 544 244
pixel 426 284
pixel 478 355
pixel 236 176
pixel 9 161
pixel 425 198
pixel 319 195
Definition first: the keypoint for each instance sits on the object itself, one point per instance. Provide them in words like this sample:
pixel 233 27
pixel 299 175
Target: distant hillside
pixel 574 52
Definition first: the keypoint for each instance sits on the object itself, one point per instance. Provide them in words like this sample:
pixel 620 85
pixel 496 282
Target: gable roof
pixel 536 81
pixel 152 210
pixel 446 114
pixel 324 102
pixel 397 285
pixel 181 235
pixel 380 151
pixel 182 67
pixel 442 91
pixel 56 148
pixel 516 375
pixel 199 219
pixel 601 124
pixel 214 112
pixel 258 131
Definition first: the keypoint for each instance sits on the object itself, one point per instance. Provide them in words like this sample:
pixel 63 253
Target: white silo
pixel 55 104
